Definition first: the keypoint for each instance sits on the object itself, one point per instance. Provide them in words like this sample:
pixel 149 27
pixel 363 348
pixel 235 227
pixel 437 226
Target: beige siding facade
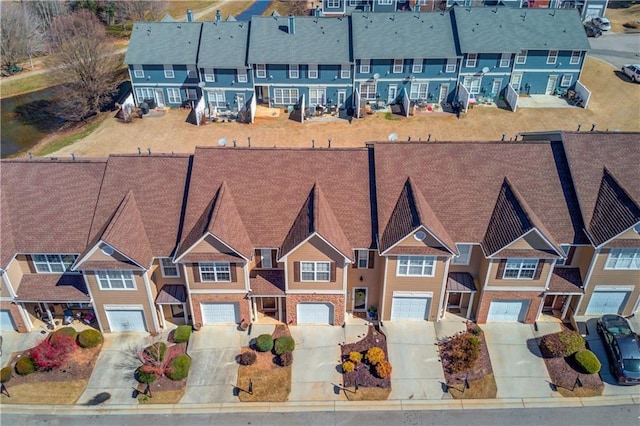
pixel 315 250
pixel 237 279
pixel 529 283
pixel 370 278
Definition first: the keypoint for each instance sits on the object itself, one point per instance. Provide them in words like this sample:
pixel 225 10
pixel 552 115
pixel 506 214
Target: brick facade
pixel 337 300
pixel 535 298
pixel 241 299
pixel 15 314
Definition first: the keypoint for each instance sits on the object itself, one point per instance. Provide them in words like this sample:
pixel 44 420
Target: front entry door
pixel 342 98
pixel 444 93
pixel 495 87
pixel 360 299
pixel 551 85
pixel 159 97
pixel 240 101
pixel 393 93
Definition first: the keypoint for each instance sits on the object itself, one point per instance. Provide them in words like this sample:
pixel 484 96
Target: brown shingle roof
pixel 269 186
pixel 565 280
pixel 411 211
pixel 210 257
pixel 460 181
pixel 48 204
pixel 267 282
pixel 588 154
pixel 98 265
pixel 52 288
pixel 7 246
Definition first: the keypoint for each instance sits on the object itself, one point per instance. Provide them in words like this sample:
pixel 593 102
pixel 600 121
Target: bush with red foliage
pixel 50 354
pixel 460 352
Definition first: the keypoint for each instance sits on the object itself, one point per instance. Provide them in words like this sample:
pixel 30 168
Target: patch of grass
pixel 72 136
pixel 482 388
pixel 272 385
pixel 581 392
pixel 367 394
pixel 162 397
pixel 48 393
pixel 25 85
pixel 391 117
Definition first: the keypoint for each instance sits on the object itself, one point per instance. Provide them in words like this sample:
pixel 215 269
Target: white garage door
pixel 508 310
pixel 314 313
pixel 411 308
pixel 220 313
pixel 607 302
pixel 126 320
pixel 6 321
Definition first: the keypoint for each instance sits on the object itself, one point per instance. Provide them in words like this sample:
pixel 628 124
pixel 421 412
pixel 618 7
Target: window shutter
pixel 354 265
pixel 500 271
pixel 539 270
pixel 572 250
pixel 196 273
pixel 333 272
pixel 258 256
pixel 371 256
pixel 296 272
pixel 274 259
pixel 234 274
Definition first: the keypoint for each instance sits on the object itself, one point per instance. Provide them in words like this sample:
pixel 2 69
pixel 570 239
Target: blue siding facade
pixel 155 82
pixel 227 91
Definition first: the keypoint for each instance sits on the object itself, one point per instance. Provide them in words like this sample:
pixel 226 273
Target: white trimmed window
pixel 575 57
pixel 521 57
pixel 241 75
pixel 215 272
pixel 520 269
pixel 265 258
pixel 144 93
pixel 192 95
pixel 416 266
pixel 317 96
pixel 345 71
pixel 209 75
pixel 138 72
pixel 294 71
pixel 365 66
pixel 627 258
pixel 354 3
pixel 385 2
pixel 419 91
pixel 451 65
pixel 465 254
pixel 313 71
pixel 368 91
pixel 333 4
pixel 45 263
pixel 553 57
pixel 505 60
pixel 315 271
pixel 168 71
pixel 363 259
pixel 115 280
pixel 174 95
pixel 398 65
pixel 566 80
pixel 417 66
pixel 191 71
pixel 169 269
pixel 565 251
pixel 261 71
pixel 472 59
pixel 472 84
pixel 285 96
pixel 516 80
pixel 217 98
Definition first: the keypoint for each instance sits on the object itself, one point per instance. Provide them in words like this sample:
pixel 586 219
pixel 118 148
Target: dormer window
pixel 169 269
pixel 52 263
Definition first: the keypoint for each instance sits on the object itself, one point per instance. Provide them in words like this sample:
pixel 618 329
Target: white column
pixel 162 321
pixel 470 306
pixel 565 308
pixel 184 312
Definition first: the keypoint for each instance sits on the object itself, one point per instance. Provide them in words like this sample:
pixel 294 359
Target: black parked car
pixel 592 30
pixel 623 348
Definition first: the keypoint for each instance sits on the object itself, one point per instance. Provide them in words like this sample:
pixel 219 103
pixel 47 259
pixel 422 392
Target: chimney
pixel 189 15
pixel 218 15
pixel 292 25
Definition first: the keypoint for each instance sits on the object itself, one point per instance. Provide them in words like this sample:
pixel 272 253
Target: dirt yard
pixel 619 17
pixel 614 106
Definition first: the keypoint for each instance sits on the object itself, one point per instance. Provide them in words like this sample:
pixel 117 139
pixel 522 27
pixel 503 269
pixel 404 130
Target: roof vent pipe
pixel 218 15
pixel 189 15
pixel 292 25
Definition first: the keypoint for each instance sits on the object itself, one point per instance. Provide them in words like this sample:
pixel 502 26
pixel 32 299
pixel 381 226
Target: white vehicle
pixel 632 71
pixel 603 23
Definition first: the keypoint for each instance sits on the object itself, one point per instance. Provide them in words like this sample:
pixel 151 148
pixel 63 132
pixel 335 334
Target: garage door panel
pixel 507 310
pixel 220 313
pixel 126 320
pixel 314 313
pixel 6 320
pixel 607 302
pixel 410 308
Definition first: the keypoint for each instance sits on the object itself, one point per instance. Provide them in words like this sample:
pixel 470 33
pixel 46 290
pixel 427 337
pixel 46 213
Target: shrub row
pixel 182 334
pixel 587 361
pixel 179 367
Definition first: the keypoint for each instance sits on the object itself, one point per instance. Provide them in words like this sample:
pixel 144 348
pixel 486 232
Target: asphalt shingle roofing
pixel 224 44
pixel 154 43
pixel 314 41
pixel 509 30
pixel 403 35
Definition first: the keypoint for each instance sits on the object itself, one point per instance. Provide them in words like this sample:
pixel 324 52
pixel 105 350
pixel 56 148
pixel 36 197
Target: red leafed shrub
pixel 460 352
pixel 50 354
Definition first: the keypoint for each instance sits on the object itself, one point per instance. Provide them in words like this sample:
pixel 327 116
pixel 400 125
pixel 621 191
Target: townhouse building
pixel 505 231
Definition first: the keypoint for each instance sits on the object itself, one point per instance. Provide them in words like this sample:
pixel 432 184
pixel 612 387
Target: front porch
pixel 268 304
pixel 460 294
pixel 565 287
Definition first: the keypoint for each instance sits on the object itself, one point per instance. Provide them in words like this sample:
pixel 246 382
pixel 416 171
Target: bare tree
pixel 83 60
pixel 141 10
pixel 22 35
pixel 297 7
pixel 47 10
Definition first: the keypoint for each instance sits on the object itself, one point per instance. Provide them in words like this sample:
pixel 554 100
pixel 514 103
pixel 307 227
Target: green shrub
pixel 348 367
pixel 571 340
pixel 145 377
pixel 65 331
pixel 25 366
pixel 284 344
pixel 383 369
pixel 587 361
pixel 247 358
pixel 157 351
pixel 375 355
pixel 355 357
pixel 90 338
pixel 179 367
pixel 182 334
pixel 5 374
pixel 285 359
pixel 264 343
pixel 475 330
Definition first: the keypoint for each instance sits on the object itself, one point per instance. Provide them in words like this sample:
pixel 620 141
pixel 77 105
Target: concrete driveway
pixel 413 353
pixel 13 342
pixel 518 367
pixel 115 368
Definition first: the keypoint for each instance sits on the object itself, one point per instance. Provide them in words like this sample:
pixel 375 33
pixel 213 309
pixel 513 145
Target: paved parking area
pixel 13 342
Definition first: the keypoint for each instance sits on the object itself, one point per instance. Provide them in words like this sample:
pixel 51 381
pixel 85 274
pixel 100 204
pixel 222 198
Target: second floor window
pixel 315 271
pixel 521 57
pixel 363 259
pixel 265 258
pixel 313 71
pixel 115 280
pixel 191 71
pixel 416 266
pixel 169 269
pixel 365 66
pixel 417 66
pixel 575 57
pixel 464 256
pixel 209 75
pixel 623 259
pixel 53 262
pixel 294 71
pixel 553 57
pixel 168 71
pixel 215 272
pixel 397 66
pixel 472 59
pixel 520 269
pixel 138 72
pixel 261 71
pixel 241 75
pixel 505 60
pixel 451 65
pixel 345 71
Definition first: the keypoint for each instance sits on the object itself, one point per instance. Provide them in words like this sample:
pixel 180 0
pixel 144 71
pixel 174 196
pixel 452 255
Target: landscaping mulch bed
pixel 165 390
pixel 480 376
pixel 364 374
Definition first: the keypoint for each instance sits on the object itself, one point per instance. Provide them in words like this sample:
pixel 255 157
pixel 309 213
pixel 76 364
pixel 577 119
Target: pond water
pixel 257 8
pixel 25 121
